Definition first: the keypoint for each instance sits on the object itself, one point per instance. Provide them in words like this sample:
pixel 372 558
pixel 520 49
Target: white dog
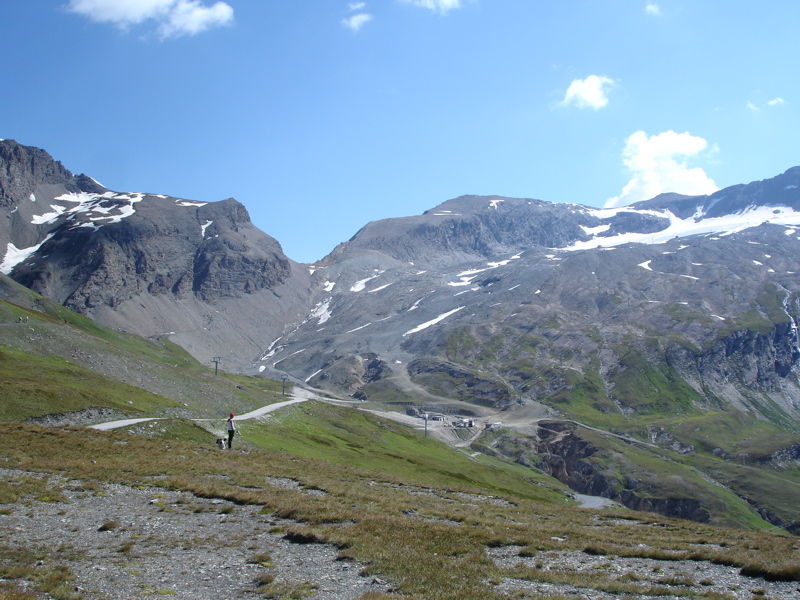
pixel 221 444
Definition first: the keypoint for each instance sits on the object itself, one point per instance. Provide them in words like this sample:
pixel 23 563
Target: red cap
pixel 231 414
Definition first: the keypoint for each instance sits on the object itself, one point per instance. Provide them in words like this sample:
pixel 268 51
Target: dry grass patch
pixel 430 541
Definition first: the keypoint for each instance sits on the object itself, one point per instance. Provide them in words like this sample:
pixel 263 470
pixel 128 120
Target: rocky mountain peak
pixel 22 168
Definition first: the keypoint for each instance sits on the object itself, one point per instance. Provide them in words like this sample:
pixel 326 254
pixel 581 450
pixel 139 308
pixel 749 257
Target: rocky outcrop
pixel 452 381
pixel 351 373
pixel 22 168
pixel 568 458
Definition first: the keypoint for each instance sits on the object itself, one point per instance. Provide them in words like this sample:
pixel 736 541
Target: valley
pixel 644 357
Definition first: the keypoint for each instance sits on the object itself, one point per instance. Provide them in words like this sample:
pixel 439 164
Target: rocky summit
pixel 647 354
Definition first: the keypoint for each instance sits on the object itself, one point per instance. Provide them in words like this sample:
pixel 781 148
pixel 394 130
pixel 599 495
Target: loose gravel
pixel 708 578
pixel 164 543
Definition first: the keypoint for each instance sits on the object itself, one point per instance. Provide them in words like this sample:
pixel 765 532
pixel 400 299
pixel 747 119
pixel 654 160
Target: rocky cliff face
pixel 22 169
pixel 566 456
pixel 146 263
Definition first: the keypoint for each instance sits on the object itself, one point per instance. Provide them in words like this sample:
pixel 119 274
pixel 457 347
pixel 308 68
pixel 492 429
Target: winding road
pixel 297 395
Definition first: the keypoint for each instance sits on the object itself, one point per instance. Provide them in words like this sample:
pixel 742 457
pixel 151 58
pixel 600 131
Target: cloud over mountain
pixel 659 164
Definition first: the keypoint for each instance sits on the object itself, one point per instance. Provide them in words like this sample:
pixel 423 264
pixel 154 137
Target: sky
pixel 322 115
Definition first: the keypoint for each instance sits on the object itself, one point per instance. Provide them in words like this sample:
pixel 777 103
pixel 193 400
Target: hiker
pixel 231 431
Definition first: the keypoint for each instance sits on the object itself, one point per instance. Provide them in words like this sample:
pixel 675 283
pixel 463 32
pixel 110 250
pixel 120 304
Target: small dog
pixel 221 444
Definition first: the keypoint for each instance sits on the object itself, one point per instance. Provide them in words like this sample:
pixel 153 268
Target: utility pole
pixel 216 360
pixel 284 377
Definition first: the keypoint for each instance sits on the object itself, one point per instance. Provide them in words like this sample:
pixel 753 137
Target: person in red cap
pixel 231 431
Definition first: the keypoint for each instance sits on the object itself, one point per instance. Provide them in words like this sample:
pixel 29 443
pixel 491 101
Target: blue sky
pixel 322 115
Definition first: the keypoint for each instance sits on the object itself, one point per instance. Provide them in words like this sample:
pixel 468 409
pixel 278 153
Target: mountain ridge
pixel 672 321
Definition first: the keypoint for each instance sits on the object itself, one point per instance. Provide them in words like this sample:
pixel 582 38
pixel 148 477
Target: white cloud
pixel 174 17
pixel 776 102
pixel 752 106
pixel 658 164
pixel 588 93
pixel 652 9
pixel 440 6
pixel 356 5
pixel 356 22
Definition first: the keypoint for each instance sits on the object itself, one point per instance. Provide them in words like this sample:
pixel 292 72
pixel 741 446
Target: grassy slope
pixel 413 525
pixel 31 386
pixel 56 361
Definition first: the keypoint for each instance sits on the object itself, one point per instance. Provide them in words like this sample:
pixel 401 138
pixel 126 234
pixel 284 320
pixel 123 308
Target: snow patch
pixel 321 312
pixel 48 218
pixel 595 230
pixel 359 286
pixel 694 225
pixel 15 256
pixel 310 377
pixel 378 289
pixel 427 324
pixel 204 227
pixel 474 289
pixel 646 265
pixel 328 286
pixel 98 209
pixel 415 306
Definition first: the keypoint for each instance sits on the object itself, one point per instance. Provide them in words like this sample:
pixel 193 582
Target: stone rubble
pixel 172 543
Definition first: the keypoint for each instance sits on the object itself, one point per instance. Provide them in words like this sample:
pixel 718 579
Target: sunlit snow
pixel 474 289
pixel 314 374
pixel 695 225
pixel 595 230
pixel 427 324
pixel 322 312
pixel 359 286
pixel 97 208
pixel 48 218
pixel 465 277
pixel 204 226
pixel 15 256
pixel 646 265
pixel 378 289
pixel 328 286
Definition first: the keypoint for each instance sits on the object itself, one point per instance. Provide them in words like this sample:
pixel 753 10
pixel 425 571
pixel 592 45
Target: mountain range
pixel 647 354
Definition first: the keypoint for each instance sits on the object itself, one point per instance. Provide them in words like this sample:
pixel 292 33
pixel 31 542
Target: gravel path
pixel 175 544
